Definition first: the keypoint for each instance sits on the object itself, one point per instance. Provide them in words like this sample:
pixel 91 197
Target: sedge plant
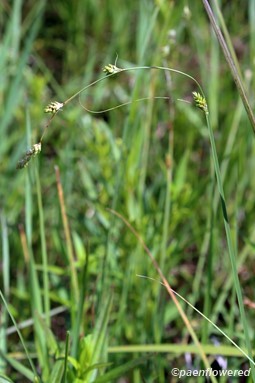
pixel 200 102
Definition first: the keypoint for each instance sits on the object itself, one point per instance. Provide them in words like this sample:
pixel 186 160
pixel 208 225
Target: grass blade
pixel 14 89
pixel 120 371
pixel 230 243
pixel 21 368
pixel 6 285
pixel 56 375
pixel 20 336
pixel 66 357
pixel 5 379
pixel 100 336
pixel 43 247
pixel 70 253
pixel 78 321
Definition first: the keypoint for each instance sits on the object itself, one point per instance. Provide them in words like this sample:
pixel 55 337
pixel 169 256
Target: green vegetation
pixel 127 228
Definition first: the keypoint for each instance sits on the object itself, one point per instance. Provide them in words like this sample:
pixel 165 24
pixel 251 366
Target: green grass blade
pixel 53 347
pixel 13 96
pixel 34 284
pixel 43 247
pixel 159 312
pixel 5 379
pixel 209 272
pixel 252 33
pixel 19 333
pixel 231 140
pixel 6 286
pixel 10 42
pixel 56 375
pixel 227 36
pixel 21 368
pixel 100 337
pixel 69 247
pixel 16 28
pixel 232 66
pixel 66 357
pixel 120 371
pixel 42 346
pixel 78 322
pixel 177 349
pixel 28 195
pixel 232 254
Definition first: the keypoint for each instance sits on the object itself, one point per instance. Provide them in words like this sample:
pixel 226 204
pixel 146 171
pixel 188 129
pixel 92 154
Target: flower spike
pixel 200 102
pixel 111 69
pixel 53 107
pixel 32 152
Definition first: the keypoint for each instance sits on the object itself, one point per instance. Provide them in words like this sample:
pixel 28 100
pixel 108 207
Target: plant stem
pixel 70 252
pixel 43 247
pixel 232 66
pixel 231 250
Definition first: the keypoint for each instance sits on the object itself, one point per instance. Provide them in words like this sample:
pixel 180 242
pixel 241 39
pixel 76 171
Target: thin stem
pixel 231 250
pixel 47 125
pixel 132 69
pixel 232 66
pixel 114 74
pixel 227 36
pixel 44 248
pixel 66 356
pixel 124 104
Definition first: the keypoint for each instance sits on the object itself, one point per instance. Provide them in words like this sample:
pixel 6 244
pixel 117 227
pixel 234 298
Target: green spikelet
pixel 200 101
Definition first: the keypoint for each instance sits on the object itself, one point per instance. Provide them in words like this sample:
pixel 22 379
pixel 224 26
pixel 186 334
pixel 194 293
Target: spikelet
pixel 32 152
pixel 111 69
pixel 53 107
pixel 200 102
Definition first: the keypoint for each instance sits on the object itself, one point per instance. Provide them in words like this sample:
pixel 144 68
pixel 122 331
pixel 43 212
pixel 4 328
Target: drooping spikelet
pixel 32 152
pixel 53 107
pixel 111 69
pixel 200 101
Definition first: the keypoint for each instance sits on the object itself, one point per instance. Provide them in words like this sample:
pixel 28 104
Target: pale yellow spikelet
pixel 53 107
pixel 111 69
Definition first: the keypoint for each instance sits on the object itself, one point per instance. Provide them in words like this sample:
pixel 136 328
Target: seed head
pixel 200 102
pixel 111 69
pixel 53 107
pixel 32 152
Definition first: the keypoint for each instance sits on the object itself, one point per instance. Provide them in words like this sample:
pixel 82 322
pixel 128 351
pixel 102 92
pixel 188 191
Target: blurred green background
pixel 150 161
